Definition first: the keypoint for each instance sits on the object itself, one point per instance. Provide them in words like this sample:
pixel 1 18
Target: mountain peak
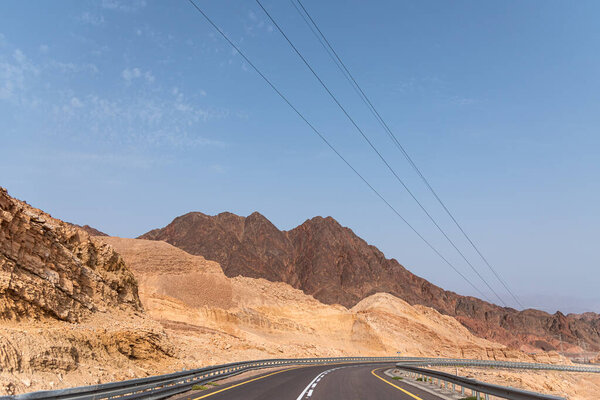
pixel 256 216
pixel 318 220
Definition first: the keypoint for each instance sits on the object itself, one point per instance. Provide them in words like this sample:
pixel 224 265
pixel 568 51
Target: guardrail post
pixel 462 390
pixel 487 396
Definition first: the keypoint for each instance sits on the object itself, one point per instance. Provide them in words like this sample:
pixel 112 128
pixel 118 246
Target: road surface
pixel 321 382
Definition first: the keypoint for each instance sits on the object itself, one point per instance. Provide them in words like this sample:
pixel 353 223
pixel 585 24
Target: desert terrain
pixel 77 309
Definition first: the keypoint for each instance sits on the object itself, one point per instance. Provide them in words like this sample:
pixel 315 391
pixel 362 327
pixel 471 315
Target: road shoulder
pixel 426 387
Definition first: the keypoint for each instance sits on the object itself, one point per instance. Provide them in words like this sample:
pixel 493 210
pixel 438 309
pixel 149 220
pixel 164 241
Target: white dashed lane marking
pixel 308 390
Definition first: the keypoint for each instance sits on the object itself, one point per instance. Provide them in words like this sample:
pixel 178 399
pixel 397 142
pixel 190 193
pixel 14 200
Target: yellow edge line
pixel 243 383
pixel 397 387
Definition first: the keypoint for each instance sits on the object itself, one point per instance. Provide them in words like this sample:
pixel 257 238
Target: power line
pixel 378 153
pixel 318 133
pixel 346 72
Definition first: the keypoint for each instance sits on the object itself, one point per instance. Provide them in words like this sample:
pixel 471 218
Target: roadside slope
pixel 254 318
pixel 69 308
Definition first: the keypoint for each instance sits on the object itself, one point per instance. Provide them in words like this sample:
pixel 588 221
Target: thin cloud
pixel 72 67
pixel 91 19
pixel 141 120
pixel 15 73
pixel 76 103
pixel 141 116
pixel 158 38
pixel 254 24
pixel 135 73
pixel 124 6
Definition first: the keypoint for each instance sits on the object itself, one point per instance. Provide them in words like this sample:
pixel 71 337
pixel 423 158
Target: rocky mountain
pixel 49 269
pixel 330 262
pixel 70 313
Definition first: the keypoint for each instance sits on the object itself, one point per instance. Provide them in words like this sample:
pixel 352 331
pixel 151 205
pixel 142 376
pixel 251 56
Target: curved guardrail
pixel 476 387
pixel 452 362
pixel 163 386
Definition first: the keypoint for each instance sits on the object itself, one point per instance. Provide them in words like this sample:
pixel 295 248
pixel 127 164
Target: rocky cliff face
pixel 70 314
pixel 330 262
pixel 50 269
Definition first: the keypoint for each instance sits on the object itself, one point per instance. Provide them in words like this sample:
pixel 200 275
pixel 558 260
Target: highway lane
pixel 322 382
pixel 361 382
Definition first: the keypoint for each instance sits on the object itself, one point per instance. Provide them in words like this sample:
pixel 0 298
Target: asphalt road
pixel 326 382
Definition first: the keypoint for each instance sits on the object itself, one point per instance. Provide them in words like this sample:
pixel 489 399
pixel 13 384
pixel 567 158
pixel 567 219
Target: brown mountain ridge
pixel 331 263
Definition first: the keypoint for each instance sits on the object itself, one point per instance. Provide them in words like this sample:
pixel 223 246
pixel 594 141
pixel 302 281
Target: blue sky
pixel 123 115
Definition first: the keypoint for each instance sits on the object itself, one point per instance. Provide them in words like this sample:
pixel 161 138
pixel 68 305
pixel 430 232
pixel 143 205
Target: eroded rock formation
pixel 70 313
pixel 50 269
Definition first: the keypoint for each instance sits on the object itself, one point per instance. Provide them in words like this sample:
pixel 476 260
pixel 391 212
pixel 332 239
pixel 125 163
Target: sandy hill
pixel 328 261
pixel 256 318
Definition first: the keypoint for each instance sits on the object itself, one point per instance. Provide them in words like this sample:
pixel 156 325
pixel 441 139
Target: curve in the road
pixel 244 383
pixel 320 382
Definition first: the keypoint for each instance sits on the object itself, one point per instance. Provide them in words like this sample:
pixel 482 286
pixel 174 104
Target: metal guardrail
pixel 477 387
pixel 451 362
pixel 163 386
